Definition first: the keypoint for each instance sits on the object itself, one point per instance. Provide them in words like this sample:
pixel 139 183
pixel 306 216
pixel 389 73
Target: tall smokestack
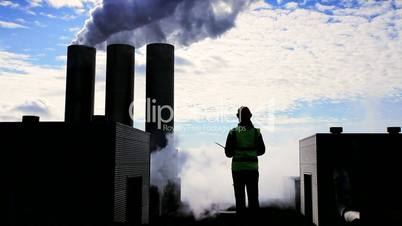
pixel 119 83
pixel 80 85
pixel 159 93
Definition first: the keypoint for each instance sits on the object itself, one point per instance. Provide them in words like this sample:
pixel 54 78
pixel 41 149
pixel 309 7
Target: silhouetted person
pixel 244 143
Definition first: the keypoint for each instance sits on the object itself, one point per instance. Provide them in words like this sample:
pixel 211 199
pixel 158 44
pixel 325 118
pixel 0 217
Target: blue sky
pixel 301 66
pixel 48 29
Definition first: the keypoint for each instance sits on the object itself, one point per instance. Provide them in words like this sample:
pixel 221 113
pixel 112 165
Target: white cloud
pixel 23 82
pixel 281 57
pixel 64 38
pixel 34 3
pixel 62 44
pixel 74 29
pixel 260 5
pixel 62 58
pixel 11 25
pixel 36 107
pixel 291 5
pixel 39 24
pixel 322 7
pixel 76 4
pixel 68 17
pixel 70 3
pixel 26 82
pixel 62 17
pixel 80 11
pixel 9 4
pixel 290 57
pixel 48 15
pixel 20 20
pixel 30 12
pixel 65 3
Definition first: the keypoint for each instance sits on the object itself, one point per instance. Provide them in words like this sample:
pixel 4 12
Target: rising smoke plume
pixel 138 22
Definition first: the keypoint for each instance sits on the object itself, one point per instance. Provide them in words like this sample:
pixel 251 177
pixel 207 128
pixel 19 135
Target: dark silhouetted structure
pixel 160 117
pixel 119 83
pixel 89 170
pixel 347 176
pixel 159 93
pixel 80 84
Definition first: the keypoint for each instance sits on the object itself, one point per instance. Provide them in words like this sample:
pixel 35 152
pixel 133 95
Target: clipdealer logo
pixel 160 114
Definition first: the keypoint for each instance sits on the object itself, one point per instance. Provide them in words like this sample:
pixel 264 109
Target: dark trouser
pixel 249 180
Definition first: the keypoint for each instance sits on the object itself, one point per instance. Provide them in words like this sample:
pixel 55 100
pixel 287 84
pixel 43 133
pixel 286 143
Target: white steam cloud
pixel 204 173
pixel 165 165
pixel 207 183
pixel 138 22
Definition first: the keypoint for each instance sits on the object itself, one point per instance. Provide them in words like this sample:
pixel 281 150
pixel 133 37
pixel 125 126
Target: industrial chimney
pixel 80 84
pixel 160 119
pixel 119 83
pixel 159 93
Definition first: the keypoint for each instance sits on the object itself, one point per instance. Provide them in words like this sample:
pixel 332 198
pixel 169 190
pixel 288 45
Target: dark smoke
pixel 138 22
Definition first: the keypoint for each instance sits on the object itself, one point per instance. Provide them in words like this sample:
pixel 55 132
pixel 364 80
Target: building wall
pixel 132 160
pixel 356 172
pixel 308 165
pixel 58 173
pixel 54 172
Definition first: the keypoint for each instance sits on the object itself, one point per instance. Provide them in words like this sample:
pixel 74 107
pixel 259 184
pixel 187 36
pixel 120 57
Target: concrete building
pixel 346 177
pixel 92 170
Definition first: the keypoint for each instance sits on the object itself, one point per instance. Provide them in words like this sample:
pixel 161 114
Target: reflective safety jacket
pixel 244 144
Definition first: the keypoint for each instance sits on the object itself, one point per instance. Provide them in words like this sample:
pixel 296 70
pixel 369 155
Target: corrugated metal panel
pixel 131 160
pixel 308 165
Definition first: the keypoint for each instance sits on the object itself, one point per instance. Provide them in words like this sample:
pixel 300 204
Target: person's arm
pixel 260 145
pixel 230 144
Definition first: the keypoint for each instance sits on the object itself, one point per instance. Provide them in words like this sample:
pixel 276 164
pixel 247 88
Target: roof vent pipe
pixel 336 130
pixel 30 119
pixel 394 130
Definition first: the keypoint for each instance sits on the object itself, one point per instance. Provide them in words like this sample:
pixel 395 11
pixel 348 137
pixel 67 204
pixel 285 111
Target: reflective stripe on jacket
pixel 245 153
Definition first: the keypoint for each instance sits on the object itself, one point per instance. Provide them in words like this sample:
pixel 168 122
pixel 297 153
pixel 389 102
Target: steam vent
pixel 346 176
pixel 87 170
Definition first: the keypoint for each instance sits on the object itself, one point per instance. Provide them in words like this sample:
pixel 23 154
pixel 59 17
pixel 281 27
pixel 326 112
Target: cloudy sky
pixel 301 66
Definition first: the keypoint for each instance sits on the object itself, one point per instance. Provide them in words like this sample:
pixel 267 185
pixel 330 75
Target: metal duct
pixel 80 84
pixel 119 83
pixel 159 93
